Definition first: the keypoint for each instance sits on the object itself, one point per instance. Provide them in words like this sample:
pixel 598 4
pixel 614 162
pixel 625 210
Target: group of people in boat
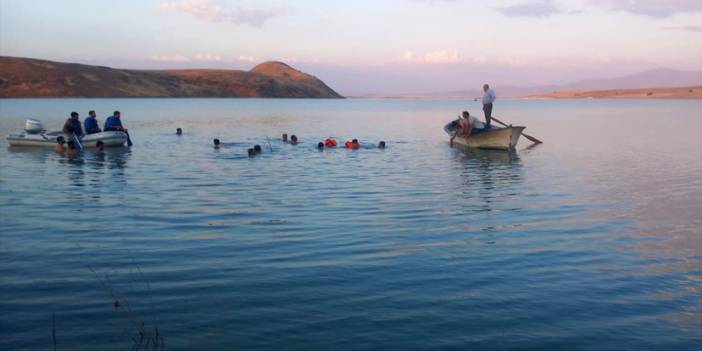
pixel 73 126
pixel 468 124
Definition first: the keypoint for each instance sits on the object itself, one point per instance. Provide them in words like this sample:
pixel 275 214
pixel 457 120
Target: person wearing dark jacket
pixel 91 124
pixel 113 123
pixel 72 125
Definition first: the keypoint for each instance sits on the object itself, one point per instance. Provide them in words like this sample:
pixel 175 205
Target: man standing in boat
pixel 488 99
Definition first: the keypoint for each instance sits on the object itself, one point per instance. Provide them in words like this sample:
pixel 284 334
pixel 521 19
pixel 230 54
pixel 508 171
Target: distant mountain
pixel 658 78
pixel 25 77
pixel 688 92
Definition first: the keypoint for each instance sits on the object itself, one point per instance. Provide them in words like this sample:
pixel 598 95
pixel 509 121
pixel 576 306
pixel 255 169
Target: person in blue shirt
pixel 91 124
pixel 72 125
pixel 113 123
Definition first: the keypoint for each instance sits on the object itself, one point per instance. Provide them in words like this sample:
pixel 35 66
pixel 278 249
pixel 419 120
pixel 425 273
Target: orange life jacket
pixel 352 145
pixel 330 143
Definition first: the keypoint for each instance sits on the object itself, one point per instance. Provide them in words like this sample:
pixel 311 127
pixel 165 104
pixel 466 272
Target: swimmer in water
pixel 179 131
pixel 251 152
pixel 216 144
pixel 257 149
pixel 71 150
pixel 285 137
pixel 293 139
pixel 59 144
pixel 320 146
pixel 381 145
pixel 100 145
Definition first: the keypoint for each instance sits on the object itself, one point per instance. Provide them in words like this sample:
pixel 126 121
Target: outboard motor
pixel 33 126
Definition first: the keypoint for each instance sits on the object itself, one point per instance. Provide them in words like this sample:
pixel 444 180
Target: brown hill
pixel 24 77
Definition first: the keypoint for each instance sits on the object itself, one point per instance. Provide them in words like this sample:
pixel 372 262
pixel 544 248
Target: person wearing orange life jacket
pixel 353 144
pixel 330 142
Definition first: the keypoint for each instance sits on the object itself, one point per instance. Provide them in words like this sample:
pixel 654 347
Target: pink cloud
pixel 213 11
pixel 170 58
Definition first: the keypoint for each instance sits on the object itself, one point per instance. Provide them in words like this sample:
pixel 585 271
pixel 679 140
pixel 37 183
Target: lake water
pixel 590 241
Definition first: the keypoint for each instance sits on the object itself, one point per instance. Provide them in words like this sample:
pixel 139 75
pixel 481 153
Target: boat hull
pixel 49 139
pixel 493 139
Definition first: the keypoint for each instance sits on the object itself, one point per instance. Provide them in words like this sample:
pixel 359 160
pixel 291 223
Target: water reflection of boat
pixel 490 156
pixel 494 138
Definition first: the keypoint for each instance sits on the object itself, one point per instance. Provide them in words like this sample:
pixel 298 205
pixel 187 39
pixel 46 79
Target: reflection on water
pixel 589 241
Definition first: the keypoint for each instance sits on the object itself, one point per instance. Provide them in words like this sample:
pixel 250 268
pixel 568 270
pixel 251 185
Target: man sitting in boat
pixel 114 124
pixel 72 125
pixel 469 125
pixel 91 124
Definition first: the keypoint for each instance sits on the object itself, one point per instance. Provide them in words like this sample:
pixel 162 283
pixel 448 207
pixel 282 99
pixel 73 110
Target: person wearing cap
pixel 488 98
pixel 91 124
pixel 72 125
pixel 114 124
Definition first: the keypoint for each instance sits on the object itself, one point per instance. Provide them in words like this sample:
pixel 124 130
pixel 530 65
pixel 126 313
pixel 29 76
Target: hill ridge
pixel 29 77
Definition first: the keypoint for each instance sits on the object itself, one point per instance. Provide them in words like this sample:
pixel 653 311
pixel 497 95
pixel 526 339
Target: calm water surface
pixel 591 241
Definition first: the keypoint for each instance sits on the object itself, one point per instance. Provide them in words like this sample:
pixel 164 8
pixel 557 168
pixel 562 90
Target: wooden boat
pixel 494 138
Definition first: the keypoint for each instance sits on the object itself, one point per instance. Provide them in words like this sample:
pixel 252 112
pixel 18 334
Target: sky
pixel 361 47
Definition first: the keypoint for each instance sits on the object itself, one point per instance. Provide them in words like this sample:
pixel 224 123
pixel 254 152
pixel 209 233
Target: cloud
pixel 184 58
pixel 432 57
pixel 208 57
pixel 246 58
pixel 213 11
pixel 171 58
pixel 685 27
pixel 536 8
pixel 651 8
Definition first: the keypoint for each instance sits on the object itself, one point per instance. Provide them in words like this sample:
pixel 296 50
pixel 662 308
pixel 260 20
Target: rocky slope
pixel 24 77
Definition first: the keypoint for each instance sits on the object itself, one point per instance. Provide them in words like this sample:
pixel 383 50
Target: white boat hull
pixel 49 139
pixel 494 138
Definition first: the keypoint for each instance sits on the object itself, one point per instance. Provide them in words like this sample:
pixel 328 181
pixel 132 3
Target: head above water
pixel 355 141
pixel 257 148
pixel 99 144
pixel 285 136
pixel 179 131
pixel 320 145
pixel 60 140
pixel 381 144
pixel 486 87
pixel 251 152
pixel 216 141
pixel 293 138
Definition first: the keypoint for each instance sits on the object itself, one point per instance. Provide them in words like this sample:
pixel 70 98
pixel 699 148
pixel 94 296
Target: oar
pixel 129 141
pixel 455 134
pixel 75 137
pixel 453 137
pixel 524 134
